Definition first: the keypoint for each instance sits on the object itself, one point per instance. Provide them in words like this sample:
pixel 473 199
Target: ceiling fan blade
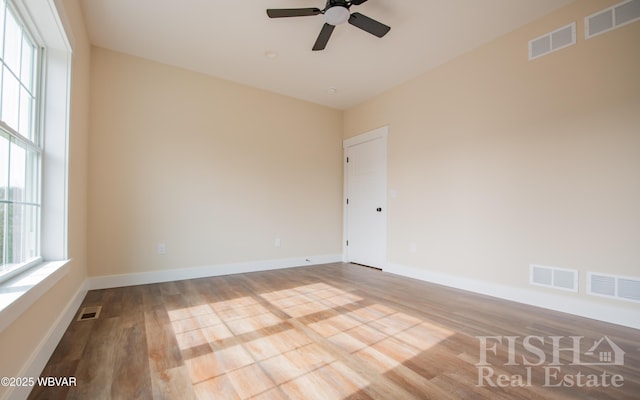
pixel 367 24
pixel 292 12
pixel 323 37
pixel 357 2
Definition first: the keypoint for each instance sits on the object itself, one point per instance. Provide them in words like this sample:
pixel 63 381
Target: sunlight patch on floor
pixel 245 347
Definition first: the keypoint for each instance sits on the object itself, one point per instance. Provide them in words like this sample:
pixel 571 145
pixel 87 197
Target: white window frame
pixel 46 21
pixel 33 143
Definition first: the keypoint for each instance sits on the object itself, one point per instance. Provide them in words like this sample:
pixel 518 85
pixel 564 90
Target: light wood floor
pixel 337 331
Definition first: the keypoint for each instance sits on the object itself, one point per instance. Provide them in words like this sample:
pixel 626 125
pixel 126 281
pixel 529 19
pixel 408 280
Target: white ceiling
pixel 229 39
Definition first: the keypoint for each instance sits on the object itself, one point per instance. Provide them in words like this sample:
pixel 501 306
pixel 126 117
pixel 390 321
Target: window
pixel 20 145
pixel 35 82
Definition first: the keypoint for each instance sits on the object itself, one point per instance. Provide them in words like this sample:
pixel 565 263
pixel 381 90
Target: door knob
pixel 379 209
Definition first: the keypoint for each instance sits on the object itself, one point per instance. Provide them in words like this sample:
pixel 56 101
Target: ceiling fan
pixel 335 12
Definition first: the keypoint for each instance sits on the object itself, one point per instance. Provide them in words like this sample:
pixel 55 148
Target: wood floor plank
pixel 169 378
pixel 94 372
pixel 336 331
pixel 131 379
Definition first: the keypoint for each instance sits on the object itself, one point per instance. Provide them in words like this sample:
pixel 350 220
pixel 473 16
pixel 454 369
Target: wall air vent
pixel 614 286
pixel 553 41
pixel 553 277
pixel 612 18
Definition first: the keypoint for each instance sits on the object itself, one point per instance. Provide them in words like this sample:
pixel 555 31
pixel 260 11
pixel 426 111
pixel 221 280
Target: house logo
pixel 603 352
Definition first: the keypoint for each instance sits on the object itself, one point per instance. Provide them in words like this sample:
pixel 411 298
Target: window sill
pixel 22 291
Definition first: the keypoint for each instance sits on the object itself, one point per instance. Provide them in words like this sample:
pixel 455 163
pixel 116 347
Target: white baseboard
pixel 41 354
pixel 143 278
pixel 556 302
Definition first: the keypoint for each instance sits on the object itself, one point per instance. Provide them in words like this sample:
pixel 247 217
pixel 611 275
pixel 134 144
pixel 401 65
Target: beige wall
pixel 499 162
pixel 213 169
pixel 20 340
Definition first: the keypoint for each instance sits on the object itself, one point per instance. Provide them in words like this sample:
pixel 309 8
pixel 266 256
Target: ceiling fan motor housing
pixel 340 3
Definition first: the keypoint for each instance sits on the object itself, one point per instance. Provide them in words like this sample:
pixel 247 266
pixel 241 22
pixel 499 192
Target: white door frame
pixel 378 133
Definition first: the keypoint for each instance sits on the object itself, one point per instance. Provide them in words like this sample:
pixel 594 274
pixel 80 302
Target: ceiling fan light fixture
pixel 337 15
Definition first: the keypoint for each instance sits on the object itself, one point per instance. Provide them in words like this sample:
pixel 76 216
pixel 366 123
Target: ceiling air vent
pixel 611 18
pixel 553 41
pixel 619 287
pixel 557 278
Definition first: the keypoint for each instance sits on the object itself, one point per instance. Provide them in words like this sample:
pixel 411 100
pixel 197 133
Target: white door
pixel 366 198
